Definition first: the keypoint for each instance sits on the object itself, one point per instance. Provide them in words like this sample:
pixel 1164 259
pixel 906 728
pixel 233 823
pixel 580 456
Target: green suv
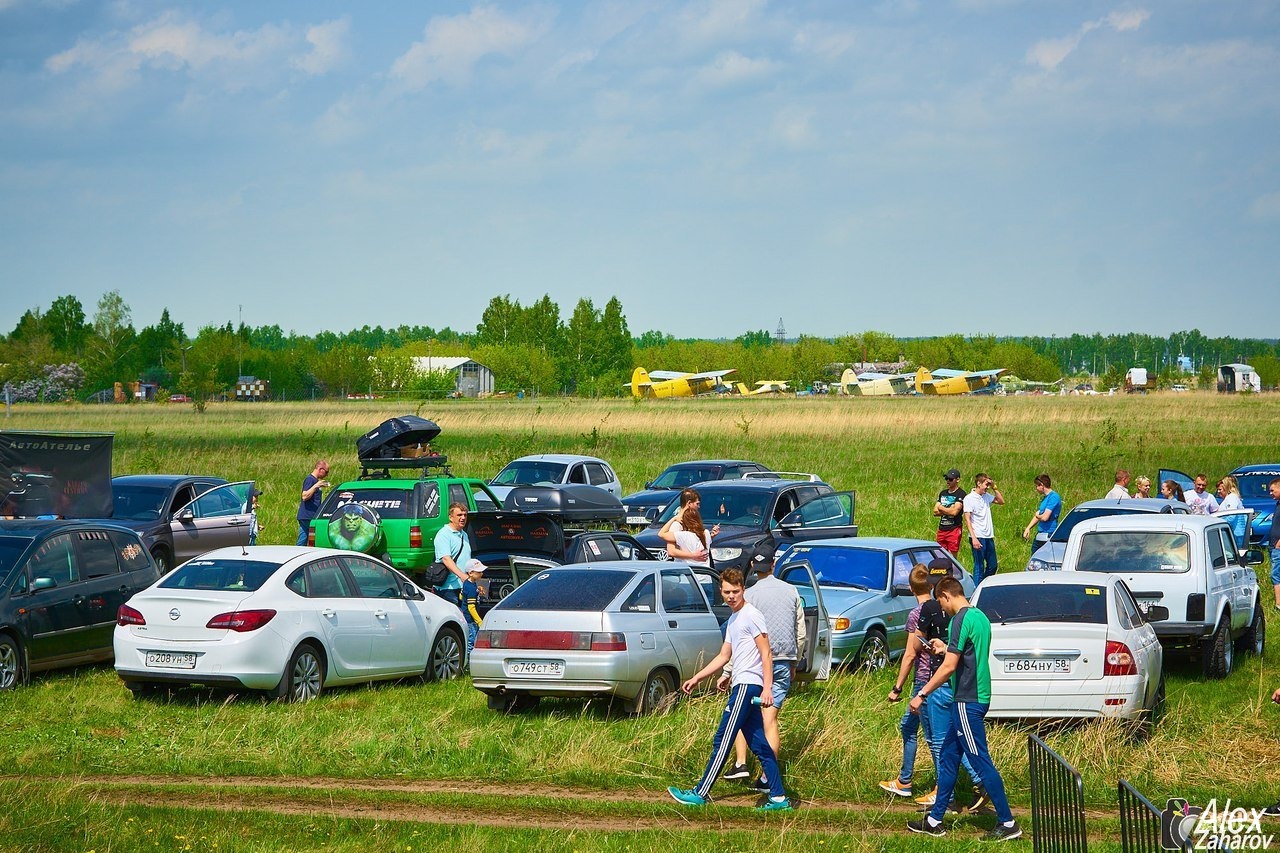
pixel 401 499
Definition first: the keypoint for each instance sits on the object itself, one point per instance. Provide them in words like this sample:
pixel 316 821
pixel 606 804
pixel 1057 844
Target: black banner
pixel 67 475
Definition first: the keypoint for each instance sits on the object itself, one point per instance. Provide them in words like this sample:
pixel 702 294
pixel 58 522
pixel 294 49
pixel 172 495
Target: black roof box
pixel 390 438
pixel 570 502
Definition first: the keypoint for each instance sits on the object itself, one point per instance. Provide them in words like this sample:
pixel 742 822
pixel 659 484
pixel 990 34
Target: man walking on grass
pixel 747 645
pixel 966 666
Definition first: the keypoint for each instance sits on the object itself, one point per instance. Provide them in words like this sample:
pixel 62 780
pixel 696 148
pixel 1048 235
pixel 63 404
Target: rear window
pixel 223 575
pixel 1134 551
pixel 387 503
pixel 568 589
pixel 1086 603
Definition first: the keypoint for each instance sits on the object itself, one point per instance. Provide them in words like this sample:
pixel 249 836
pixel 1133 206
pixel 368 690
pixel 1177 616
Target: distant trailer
pixel 1235 378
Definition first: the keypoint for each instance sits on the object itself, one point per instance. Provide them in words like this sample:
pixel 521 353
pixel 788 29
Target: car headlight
pixel 840 623
pixel 1037 566
pixel 725 554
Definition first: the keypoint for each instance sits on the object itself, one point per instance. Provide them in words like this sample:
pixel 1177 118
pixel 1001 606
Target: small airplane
pixel 947 382
pixel 667 383
pixel 871 384
pixel 765 386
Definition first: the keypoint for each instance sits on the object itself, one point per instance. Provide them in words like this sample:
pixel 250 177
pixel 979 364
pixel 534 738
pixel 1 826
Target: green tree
pixel 582 344
pixel 112 346
pixel 758 338
pixel 65 322
pixel 500 322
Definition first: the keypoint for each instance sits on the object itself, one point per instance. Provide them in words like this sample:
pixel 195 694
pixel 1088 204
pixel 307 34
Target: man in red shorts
pixel 950 512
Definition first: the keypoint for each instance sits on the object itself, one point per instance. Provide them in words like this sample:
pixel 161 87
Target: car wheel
pixel 11 672
pixel 163 561
pixel 446 660
pixel 1219 651
pixel 874 654
pixel 656 693
pixel 1254 640
pixel 303 678
pixel 512 703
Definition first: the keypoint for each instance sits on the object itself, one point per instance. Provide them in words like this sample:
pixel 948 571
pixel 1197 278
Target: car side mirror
pixel 186 515
pixel 1253 556
pixel 652 513
pixel 648 484
pixel 411 592
pixel 1156 613
pixel 43 583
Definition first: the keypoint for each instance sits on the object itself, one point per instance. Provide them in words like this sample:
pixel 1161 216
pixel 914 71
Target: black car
pixel 181 517
pixel 61 584
pixel 643 507
pixel 757 510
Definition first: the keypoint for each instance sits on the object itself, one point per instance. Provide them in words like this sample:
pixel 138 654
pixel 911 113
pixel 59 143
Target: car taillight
pixel 241 620
pixel 415 537
pixel 311 537
pixel 1119 660
pixel 126 615
pixel 564 641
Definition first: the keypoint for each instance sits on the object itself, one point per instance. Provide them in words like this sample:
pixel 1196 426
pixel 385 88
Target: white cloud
pixel 1266 206
pixel 823 40
pixel 328 46
pixel 731 68
pixel 1050 53
pixel 451 46
pixel 794 126
pixel 709 21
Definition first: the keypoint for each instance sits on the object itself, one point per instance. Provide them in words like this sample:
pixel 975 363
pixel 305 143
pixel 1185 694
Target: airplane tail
pixel 639 381
pixel 743 389
pixel 848 380
pixel 922 376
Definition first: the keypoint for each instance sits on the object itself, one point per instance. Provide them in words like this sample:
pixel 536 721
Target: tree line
pixel 62 353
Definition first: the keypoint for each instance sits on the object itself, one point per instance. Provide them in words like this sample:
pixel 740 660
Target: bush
pixel 59 383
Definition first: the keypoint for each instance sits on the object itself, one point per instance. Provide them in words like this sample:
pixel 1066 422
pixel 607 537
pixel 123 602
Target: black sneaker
pixel 760 784
pixel 981 800
pixel 1272 810
pixel 1003 833
pixel 736 772
pixel 924 827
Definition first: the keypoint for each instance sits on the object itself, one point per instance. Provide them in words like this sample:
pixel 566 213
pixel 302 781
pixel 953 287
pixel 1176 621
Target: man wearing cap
pixel 784 619
pixel 949 509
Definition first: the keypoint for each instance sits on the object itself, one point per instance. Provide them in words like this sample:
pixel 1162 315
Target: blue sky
pixel 920 168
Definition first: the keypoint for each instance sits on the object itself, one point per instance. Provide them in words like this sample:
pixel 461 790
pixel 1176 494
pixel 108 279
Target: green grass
pixel 1218 738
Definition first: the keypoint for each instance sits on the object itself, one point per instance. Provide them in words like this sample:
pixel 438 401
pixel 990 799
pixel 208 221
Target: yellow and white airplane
pixel 667 383
pixel 765 386
pixel 871 384
pixel 943 381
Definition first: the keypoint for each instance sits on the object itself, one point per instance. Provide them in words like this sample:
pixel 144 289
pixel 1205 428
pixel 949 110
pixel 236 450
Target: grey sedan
pixel 634 630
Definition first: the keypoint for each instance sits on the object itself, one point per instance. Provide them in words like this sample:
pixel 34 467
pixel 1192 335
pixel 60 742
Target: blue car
pixel 1253 481
pixel 864 583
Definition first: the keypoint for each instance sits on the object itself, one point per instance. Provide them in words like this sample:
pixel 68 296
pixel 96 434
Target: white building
pixel 471 378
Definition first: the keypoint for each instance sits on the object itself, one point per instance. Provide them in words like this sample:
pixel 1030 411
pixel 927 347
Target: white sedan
pixel 288 620
pixel 1066 645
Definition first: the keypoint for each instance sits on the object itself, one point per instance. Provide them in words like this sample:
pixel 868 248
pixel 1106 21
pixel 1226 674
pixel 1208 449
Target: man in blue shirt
pixel 313 486
pixel 1045 518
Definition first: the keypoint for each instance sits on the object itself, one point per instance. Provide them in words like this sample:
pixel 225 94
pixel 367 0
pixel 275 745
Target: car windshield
pixel 387 503
pixel 686 475
pixel 744 507
pixel 1082 513
pixel 530 472
pixel 567 589
pixel 867 568
pixel 1254 486
pixel 138 503
pixel 1134 551
pixel 1044 603
pixel 11 548
pixel 223 575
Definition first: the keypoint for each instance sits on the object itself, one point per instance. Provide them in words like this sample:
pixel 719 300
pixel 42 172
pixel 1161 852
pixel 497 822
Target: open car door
pixel 1187 482
pixel 824 517
pixel 218 518
pixel 815 662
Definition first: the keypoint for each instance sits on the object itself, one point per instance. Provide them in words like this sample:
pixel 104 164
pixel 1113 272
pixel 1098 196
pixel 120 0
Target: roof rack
pixel 380 469
pixel 781 475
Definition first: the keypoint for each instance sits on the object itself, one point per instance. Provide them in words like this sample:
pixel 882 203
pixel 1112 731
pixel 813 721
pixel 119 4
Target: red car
pixel 179 398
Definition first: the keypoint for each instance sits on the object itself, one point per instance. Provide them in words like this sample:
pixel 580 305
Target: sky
pixel 1009 167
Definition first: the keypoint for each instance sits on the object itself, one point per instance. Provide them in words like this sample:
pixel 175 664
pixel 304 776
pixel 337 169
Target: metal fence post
pixel 1057 801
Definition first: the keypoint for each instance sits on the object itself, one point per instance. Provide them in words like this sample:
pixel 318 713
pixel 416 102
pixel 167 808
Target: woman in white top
pixel 1229 492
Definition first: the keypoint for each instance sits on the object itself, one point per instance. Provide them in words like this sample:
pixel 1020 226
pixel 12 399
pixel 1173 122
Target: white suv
pixel 1188 563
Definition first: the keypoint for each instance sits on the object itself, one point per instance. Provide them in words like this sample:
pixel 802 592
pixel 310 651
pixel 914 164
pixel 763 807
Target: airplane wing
pixel 947 373
pixel 694 377
pixel 664 375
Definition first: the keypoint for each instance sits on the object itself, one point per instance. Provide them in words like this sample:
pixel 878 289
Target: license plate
pixel 1050 665
pixel 552 668
pixel 172 660
pixel 638 520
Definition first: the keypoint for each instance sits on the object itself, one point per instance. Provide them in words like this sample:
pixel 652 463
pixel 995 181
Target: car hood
pixel 1051 553
pixel 649 497
pixel 842 599
pixel 730 536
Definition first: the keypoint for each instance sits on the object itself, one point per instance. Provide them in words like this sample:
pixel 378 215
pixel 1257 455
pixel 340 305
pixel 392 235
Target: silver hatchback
pixel 625 629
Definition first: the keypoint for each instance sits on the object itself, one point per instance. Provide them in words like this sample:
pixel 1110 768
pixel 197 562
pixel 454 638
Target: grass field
pixel 408 766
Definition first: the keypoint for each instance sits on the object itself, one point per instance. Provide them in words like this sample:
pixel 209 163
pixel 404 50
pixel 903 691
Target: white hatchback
pixel 288 620
pixel 1069 645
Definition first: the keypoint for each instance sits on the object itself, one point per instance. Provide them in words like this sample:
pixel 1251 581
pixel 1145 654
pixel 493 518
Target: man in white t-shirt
pixel 746 643
pixel 1201 501
pixel 982 533
pixel 1120 490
